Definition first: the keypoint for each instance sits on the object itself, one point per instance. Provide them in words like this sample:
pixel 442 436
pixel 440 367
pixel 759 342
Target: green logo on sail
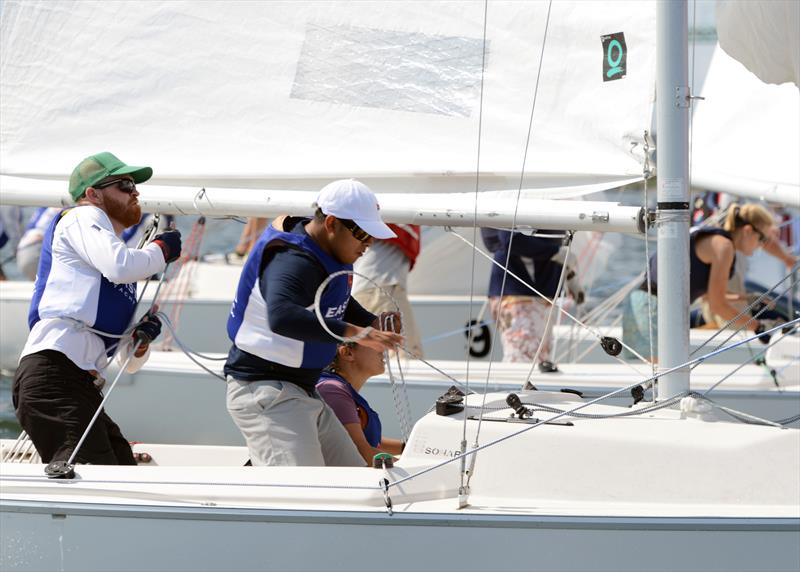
pixel 615 56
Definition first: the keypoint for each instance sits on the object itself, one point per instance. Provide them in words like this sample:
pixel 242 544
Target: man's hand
pixel 147 330
pixel 170 244
pixel 375 339
pixel 388 322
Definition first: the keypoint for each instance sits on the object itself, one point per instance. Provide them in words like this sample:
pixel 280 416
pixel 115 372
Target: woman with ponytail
pixel 712 255
pixel 339 387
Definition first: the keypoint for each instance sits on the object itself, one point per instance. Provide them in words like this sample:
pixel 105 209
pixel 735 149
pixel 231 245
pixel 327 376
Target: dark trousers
pixel 55 400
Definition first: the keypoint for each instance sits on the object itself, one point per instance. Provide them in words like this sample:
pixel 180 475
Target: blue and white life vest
pixel 248 323
pixel 61 291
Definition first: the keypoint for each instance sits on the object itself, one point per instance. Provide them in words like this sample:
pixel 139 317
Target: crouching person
pixel 340 384
pixel 279 346
pixel 86 287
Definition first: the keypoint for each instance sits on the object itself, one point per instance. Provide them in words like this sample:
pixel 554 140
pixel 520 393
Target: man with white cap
pixel 279 346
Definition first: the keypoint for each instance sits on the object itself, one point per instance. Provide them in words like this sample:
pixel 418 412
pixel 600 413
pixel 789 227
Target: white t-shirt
pixel 384 263
pixel 84 249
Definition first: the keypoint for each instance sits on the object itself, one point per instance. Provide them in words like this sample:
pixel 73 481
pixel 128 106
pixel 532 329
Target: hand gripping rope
pixel 399 394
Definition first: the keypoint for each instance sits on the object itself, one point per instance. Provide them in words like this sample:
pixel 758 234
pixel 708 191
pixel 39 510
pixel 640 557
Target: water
pixel 9 428
pixel 222 235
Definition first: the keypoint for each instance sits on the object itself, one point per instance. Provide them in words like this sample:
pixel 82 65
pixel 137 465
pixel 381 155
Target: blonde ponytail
pixel 755 215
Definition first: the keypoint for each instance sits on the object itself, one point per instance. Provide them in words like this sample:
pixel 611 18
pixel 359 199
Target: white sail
pixel 746 134
pixel 762 35
pixel 292 94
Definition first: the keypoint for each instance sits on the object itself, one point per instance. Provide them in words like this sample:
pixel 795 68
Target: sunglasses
pixel 358 233
pixel 762 238
pixel 125 185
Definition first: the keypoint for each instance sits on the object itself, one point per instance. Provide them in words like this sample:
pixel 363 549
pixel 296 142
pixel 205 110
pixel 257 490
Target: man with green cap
pixel 83 302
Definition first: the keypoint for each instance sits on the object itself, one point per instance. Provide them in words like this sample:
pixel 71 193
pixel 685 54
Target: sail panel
pixel 231 91
pixel 746 134
pixel 763 35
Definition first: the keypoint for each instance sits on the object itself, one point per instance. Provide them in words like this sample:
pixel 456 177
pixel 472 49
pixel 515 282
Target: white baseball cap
pixel 353 200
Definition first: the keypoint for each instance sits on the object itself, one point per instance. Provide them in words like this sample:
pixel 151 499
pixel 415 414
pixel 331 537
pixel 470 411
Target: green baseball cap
pixel 94 169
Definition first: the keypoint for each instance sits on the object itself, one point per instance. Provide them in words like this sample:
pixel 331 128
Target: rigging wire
pixel 511 237
pixel 648 279
pixel 566 314
pixel 621 390
pixel 741 314
pixel 474 234
pixel 752 358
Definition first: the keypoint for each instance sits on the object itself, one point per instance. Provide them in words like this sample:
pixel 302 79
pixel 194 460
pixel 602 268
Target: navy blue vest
pixel 115 306
pixel 372 430
pixel 249 330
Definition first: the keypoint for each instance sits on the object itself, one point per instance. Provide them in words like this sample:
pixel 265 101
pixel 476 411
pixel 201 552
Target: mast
pixel 673 100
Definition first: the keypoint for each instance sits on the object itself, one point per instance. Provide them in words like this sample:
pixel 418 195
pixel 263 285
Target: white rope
pixel 402 406
pixel 401 402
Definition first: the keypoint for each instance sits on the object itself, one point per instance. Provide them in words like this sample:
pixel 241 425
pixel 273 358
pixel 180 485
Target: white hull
pixel 66 538
pixel 532 504
pixel 149 405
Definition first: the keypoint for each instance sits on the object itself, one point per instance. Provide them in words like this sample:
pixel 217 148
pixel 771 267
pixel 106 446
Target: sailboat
pixel 485 482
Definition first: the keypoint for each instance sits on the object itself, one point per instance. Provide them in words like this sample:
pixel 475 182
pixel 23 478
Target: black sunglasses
pixel 358 233
pixel 762 238
pixel 125 185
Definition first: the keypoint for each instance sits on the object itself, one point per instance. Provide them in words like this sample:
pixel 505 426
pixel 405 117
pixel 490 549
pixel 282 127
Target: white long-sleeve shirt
pixel 85 249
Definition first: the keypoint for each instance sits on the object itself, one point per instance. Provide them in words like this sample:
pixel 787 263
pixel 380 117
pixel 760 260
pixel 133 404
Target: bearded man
pixel 83 302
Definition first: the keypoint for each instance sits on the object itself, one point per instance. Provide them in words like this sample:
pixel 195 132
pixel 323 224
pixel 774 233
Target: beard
pixel 124 212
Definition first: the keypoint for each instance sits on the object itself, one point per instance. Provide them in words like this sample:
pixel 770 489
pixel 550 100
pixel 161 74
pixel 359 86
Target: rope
pixel 181 283
pixel 401 402
pixel 402 407
pixel 188 351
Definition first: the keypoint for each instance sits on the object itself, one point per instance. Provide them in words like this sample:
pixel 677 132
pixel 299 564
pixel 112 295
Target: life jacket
pixel 248 323
pixel 370 421
pixel 407 240
pixel 60 293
